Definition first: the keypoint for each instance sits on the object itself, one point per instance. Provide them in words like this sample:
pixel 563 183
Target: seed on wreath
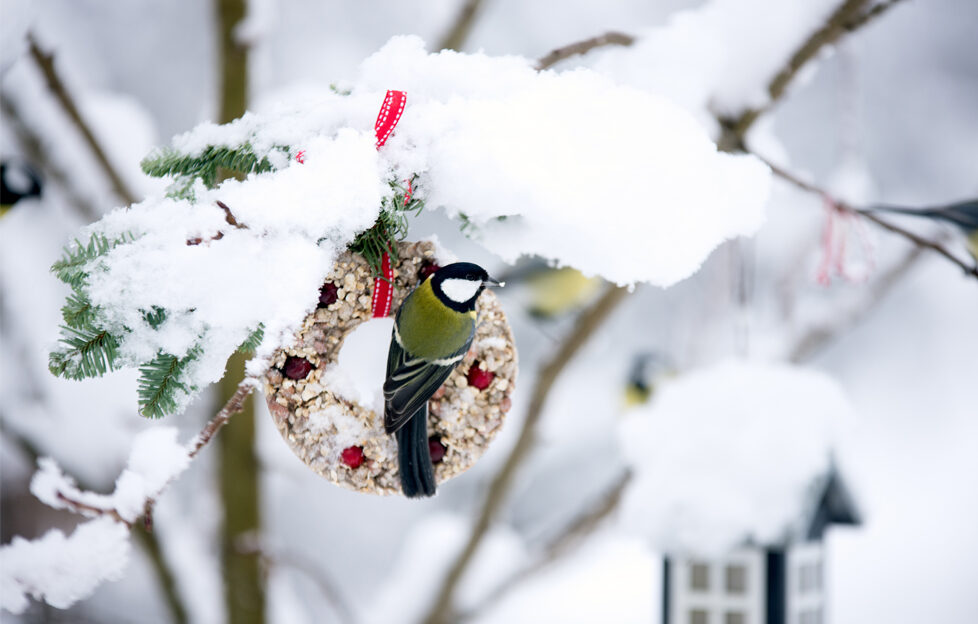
pixel 297 367
pixel 352 456
pixel 327 294
pixel 478 377
pixel 437 449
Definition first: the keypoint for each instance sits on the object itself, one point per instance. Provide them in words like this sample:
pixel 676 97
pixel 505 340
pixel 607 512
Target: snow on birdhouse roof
pixel 736 453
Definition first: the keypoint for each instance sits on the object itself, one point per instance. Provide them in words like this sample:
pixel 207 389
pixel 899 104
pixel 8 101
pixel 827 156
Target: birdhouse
pixel 782 582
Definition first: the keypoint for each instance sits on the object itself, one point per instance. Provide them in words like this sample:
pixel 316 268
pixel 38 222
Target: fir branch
pixel 160 381
pixel 71 268
pixel 78 311
pixel 154 317
pixel 390 227
pixel 85 352
pixel 205 166
pixel 253 341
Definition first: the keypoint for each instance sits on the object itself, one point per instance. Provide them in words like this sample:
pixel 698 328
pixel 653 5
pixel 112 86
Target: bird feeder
pixel 344 441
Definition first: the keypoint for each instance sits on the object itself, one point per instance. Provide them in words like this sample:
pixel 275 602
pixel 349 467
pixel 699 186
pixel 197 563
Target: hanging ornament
pixel 343 440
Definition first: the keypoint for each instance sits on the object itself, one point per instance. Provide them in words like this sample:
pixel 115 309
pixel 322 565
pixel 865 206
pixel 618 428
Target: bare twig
pixel 583 47
pixel 234 405
pixel 149 541
pixel 562 544
pixel 229 216
pixel 871 14
pixel 916 239
pixel 816 338
pixel 735 128
pixel 456 36
pixel 442 609
pixel 327 586
pixel 46 64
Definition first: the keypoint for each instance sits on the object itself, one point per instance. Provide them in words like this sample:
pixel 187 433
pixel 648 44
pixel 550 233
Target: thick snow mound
pixel 729 454
pixel 611 180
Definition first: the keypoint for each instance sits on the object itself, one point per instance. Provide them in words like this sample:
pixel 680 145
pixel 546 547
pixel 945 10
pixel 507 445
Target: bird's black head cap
pixel 459 285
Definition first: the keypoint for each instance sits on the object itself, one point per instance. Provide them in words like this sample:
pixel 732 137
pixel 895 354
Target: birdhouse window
pixel 699 616
pixel 810 616
pixel 734 617
pixel 699 577
pixel 736 579
pixel 810 577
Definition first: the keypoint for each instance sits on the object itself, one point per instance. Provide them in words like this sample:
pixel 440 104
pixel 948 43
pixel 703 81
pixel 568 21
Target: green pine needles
pixel 207 166
pixel 90 345
pixel 161 382
pixel 390 227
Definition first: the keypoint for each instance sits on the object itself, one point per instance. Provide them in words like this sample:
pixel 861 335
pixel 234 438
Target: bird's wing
pixel 411 381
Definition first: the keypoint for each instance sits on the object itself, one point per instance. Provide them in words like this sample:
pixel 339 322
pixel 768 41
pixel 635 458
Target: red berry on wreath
pixel 327 294
pixel 352 456
pixel 427 268
pixel 297 367
pixel 479 378
pixel 436 449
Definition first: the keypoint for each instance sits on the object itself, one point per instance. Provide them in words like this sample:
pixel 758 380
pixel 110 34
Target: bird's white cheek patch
pixel 459 290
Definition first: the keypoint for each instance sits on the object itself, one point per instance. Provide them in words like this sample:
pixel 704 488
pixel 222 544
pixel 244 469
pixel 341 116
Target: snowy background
pixel 887 116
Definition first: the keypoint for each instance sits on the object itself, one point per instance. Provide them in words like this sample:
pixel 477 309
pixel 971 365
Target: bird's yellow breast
pixel 428 328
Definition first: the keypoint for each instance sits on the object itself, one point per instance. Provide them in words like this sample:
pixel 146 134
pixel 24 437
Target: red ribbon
pixel 390 113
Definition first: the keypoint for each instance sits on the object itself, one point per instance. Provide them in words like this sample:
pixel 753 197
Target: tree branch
pixel 149 541
pixel 456 36
pixel 583 47
pixel 443 608
pixel 234 405
pixel 873 13
pixel 816 338
pixel 842 20
pixel 871 216
pixel 327 586
pixel 46 64
pixel 559 546
pixel 35 153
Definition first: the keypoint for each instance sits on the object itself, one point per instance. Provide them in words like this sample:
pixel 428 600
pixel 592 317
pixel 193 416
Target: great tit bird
pixel 432 332
pixel 962 214
pixel 18 181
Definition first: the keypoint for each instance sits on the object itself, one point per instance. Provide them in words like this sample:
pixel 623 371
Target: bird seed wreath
pixel 344 441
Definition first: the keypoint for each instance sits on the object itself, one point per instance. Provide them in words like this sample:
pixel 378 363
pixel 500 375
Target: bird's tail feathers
pixel 414 458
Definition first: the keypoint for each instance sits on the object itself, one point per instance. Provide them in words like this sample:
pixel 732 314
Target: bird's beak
pixel 493 282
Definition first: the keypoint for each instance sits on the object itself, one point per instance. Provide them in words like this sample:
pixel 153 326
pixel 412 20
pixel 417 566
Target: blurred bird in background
pixel 962 214
pixel 18 181
pixel 552 292
pixel 647 370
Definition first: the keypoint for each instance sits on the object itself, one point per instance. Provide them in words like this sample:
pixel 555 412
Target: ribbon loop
pixel 390 113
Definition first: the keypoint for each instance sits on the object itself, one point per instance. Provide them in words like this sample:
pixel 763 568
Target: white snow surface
pixel 155 460
pixel 62 570
pixel 730 453
pixel 428 552
pixel 612 180
pixel 727 63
